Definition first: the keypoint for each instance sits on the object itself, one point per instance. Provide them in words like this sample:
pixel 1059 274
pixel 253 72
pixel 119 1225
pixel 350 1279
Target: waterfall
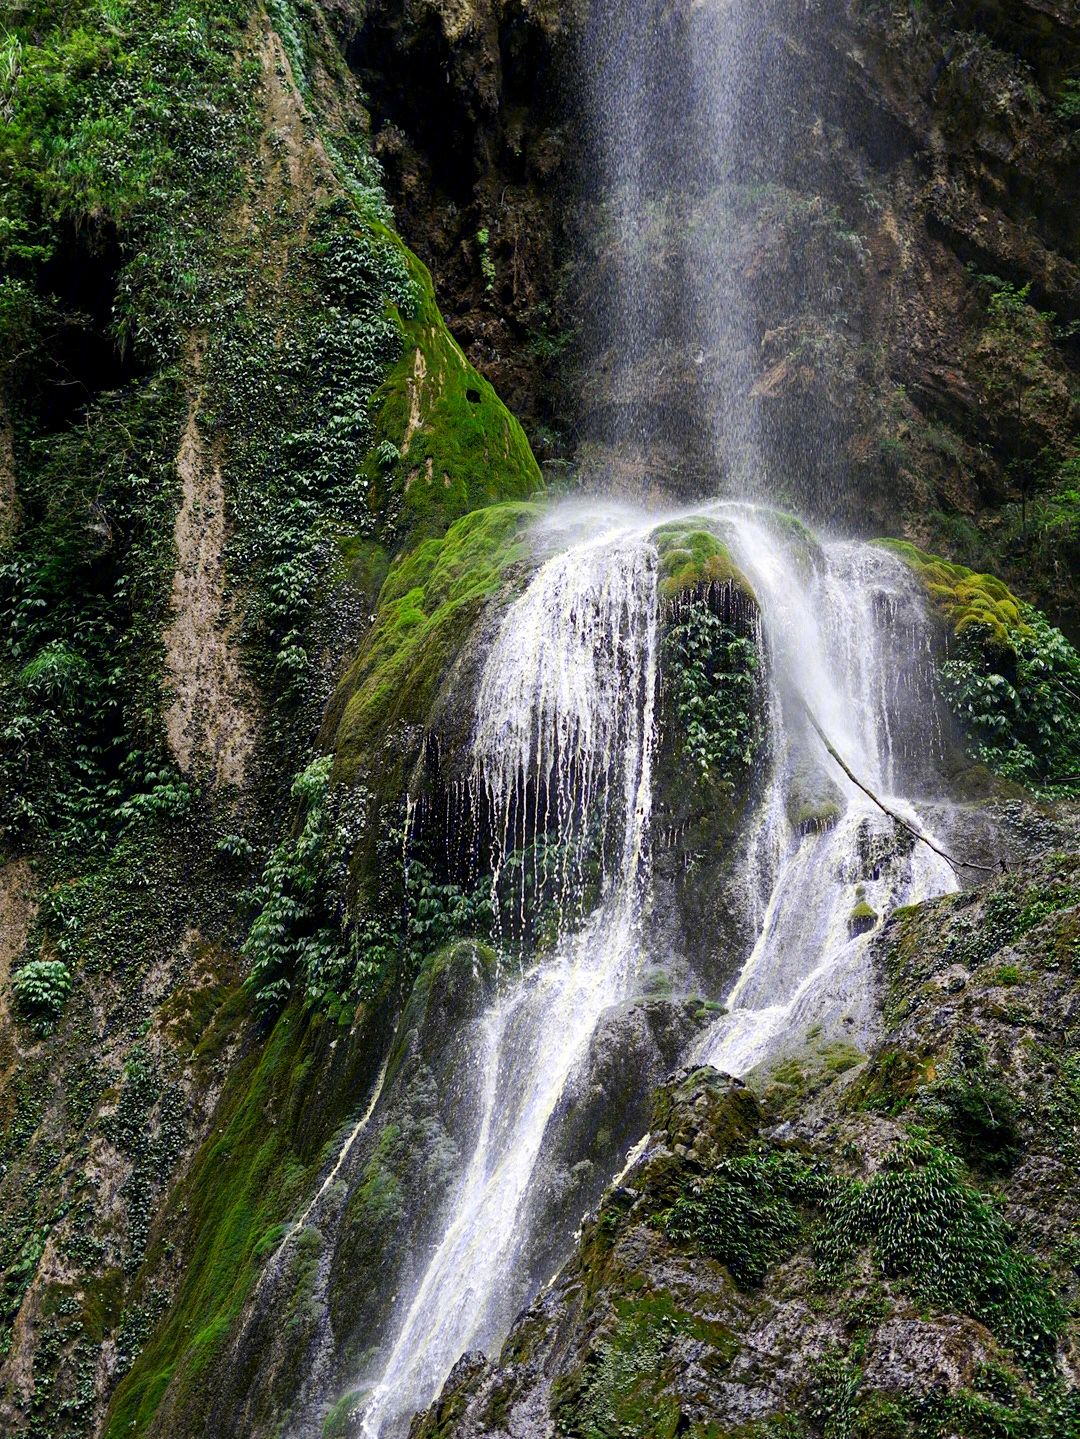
pixel 565 715
pixel 690 118
pixel 849 646
pixel 563 748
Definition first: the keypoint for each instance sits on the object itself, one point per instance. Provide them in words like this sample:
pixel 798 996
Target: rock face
pixel 299 307
pixel 923 174
pixel 806 1247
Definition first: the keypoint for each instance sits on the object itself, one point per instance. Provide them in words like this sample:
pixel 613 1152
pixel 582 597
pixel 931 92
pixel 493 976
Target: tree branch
pixel 896 818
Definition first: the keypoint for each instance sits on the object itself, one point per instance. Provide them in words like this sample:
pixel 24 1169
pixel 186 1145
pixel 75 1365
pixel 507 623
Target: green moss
pixel 430 600
pixel 337 1424
pixel 964 598
pixel 891 1079
pixel 245 1180
pixel 862 918
pixel 458 447
pixel 811 816
pixel 692 557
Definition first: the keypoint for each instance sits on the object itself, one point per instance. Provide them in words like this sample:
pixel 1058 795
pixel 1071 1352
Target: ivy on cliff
pixel 713 673
pixel 1025 724
pixel 304 937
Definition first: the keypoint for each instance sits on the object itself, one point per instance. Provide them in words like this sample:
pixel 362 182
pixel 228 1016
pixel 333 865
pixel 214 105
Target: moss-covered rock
pixel 429 603
pixel 692 558
pixel 862 918
pixel 965 599
pixel 449 444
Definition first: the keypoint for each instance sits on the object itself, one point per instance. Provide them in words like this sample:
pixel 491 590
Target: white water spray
pixel 563 747
pixel 849 643
pixel 565 715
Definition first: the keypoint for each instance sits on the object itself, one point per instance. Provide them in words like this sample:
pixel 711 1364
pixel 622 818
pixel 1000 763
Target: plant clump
pixel 1010 677
pixel 692 558
pixel 41 990
pixel 965 599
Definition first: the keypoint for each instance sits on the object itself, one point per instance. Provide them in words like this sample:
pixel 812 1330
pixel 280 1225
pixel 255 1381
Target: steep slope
pixel 228 398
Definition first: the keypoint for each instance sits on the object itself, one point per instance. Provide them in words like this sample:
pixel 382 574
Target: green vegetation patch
pixel 228 1210
pixel 429 603
pixel 713 672
pixel 1011 678
pixel 921 1221
pixel 620 1389
pixel 449 443
pixel 964 598
pixel 692 558
pixel 749 1213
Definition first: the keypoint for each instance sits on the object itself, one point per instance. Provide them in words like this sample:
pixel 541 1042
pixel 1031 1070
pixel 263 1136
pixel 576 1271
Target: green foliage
pixel 1067 107
pixel 974 1110
pixel 487 264
pixel 923 1222
pixel 295 937
pixel 41 990
pixel 1000 1411
pixel 834 1397
pixel 620 1390
pixel 1012 679
pixel 748 1213
pixel 80 597
pixel 129 115
pixel 713 673
pixel 296 487
pixel 304 939
pixel 1027 725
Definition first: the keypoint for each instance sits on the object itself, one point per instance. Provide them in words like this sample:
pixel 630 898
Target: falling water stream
pixel 566 710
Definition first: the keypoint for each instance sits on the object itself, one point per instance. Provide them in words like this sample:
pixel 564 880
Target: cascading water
pixel 850 658
pixel 563 739
pixel 564 750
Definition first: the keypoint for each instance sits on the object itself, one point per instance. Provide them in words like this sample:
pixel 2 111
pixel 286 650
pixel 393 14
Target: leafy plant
pixel 747 1213
pixel 41 991
pixel 1025 725
pixel 713 672
pixel 292 935
pixel 923 1222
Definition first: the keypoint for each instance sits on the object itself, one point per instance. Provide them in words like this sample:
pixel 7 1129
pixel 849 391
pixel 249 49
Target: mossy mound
pixel 966 599
pixel 429 602
pixel 862 918
pixel 449 444
pixel 692 558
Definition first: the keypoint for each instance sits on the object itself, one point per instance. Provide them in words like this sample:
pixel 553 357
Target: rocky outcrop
pixel 878 1242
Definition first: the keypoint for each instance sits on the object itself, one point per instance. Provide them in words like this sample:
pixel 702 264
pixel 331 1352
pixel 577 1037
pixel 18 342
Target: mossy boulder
pixel 813 801
pixel 429 603
pixel 448 443
pixel 862 918
pixel 693 558
pixel 965 599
